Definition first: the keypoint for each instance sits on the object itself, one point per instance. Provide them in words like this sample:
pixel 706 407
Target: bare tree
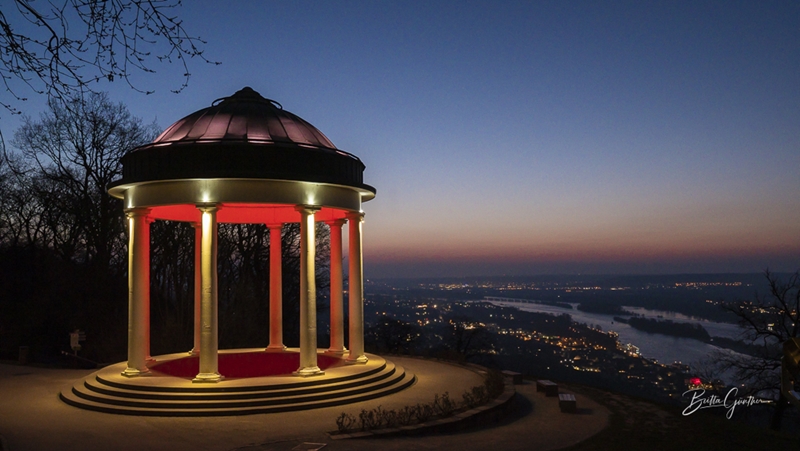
pixel 767 322
pixel 466 338
pixel 243 283
pixel 54 191
pixel 392 335
pixel 63 48
pixel 65 161
pixel 62 236
pixel 172 274
pixel 19 215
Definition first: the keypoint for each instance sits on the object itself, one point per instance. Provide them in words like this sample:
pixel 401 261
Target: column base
pixel 133 372
pixel 207 377
pixel 335 352
pixel 194 351
pixel 360 360
pixel 150 360
pixel 275 348
pixel 309 371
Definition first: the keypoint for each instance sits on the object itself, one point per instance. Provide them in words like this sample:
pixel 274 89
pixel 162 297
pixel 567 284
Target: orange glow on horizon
pixel 611 252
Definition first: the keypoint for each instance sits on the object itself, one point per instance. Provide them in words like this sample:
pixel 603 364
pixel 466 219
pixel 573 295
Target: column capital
pixel 137 211
pixel 207 207
pixel 275 225
pixel 355 216
pixel 336 222
pixel 309 209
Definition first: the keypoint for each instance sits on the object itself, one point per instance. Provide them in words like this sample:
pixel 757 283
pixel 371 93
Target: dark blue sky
pixel 528 137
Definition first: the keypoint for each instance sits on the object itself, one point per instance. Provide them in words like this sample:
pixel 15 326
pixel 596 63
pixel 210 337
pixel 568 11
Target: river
pixel 663 348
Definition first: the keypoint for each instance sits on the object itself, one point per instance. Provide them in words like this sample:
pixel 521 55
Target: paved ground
pixel 33 418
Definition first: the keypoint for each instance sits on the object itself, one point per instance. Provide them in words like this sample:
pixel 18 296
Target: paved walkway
pixel 33 418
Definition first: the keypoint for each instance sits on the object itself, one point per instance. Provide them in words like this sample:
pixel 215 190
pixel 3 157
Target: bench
pixel 549 388
pixel 567 402
pixel 516 378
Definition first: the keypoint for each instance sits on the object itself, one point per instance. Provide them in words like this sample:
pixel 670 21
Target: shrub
pixel 369 420
pixel 407 415
pixel 443 405
pixel 390 419
pixel 423 412
pixel 475 397
pixel 345 423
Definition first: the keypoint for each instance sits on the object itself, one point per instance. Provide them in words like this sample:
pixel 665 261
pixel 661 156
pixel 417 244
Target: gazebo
pixel 245 159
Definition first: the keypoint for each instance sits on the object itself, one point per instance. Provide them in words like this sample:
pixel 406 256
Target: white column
pixel 198 237
pixel 275 290
pixel 138 291
pixel 337 303
pixel 208 297
pixel 356 287
pixel 146 305
pixel 308 294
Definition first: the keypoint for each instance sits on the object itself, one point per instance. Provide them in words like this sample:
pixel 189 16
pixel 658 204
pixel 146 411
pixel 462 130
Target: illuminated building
pixel 245 159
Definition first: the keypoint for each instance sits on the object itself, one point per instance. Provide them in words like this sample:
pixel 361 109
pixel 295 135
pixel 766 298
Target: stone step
pixel 216 400
pixel 110 404
pixel 163 395
pixel 101 386
pixel 113 379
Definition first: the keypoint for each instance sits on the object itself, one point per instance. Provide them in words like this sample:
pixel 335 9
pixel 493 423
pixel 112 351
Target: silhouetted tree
pixel 66 160
pixel 767 322
pixel 391 335
pixel 243 265
pixel 63 48
pixel 291 281
pixel 172 286
pixel 464 338
pixel 57 212
pixel 63 236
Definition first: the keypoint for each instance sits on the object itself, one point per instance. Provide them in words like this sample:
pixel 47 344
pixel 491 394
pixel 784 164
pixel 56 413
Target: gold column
pixel 208 297
pixel 138 291
pixel 308 294
pixel 356 287
pixel 198 238
pixel 275 290
pixel 337 303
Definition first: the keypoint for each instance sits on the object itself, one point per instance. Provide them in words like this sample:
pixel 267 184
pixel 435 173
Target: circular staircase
pixel 162 394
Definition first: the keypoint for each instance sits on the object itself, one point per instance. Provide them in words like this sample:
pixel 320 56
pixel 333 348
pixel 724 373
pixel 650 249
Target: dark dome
pixel 245 116
pixel 243 136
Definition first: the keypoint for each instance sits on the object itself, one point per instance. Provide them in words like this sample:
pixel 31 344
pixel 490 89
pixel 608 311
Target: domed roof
pixel 245 116
pixel 244 136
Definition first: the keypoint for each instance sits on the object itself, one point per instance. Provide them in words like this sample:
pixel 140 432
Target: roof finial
pixel 248 94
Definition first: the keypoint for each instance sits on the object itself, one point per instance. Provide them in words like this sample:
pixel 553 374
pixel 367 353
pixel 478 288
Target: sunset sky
pixel 530 137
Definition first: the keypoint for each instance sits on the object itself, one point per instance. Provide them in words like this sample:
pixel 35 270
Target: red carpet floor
pixel 245 364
